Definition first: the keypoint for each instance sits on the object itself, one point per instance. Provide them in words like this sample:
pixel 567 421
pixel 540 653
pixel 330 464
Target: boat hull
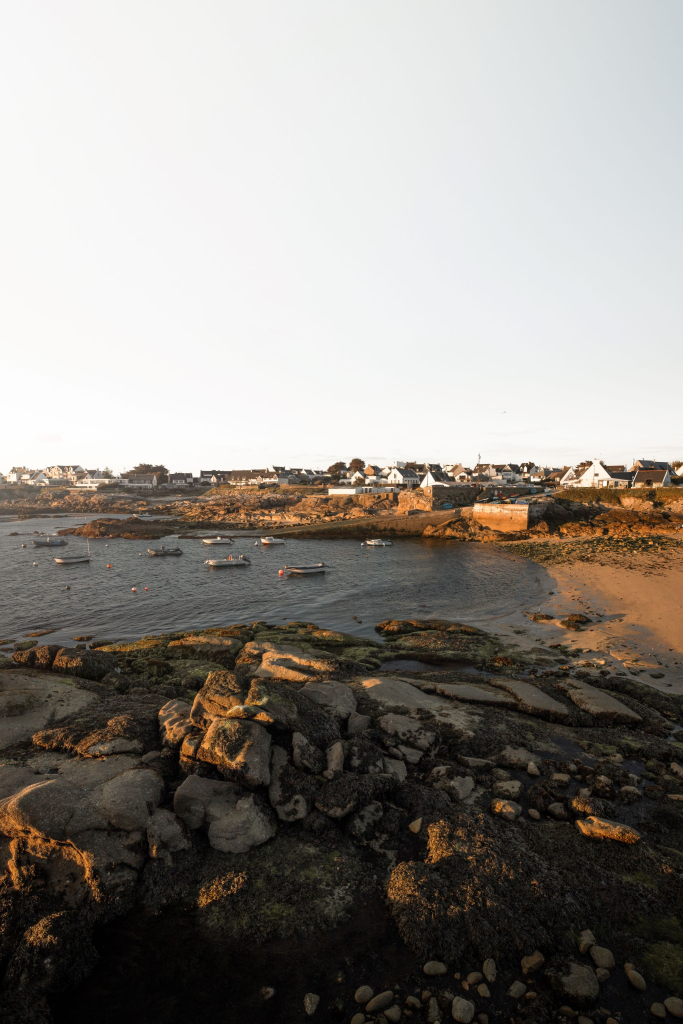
pixel 49 543
pixel 217 540
pixel 305 570
pixel 271 540
pixel 164 553
pixel 226 563
pixel 72 560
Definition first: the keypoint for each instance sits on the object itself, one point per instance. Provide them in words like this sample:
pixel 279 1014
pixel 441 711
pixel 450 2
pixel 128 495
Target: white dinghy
pixel 226 563
pixel 272 540
pixel 306 570
pixel 378 543
pixel 217 540
pixel 71 559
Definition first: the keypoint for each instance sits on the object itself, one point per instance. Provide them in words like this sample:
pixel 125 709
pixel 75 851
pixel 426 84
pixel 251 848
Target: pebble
pixel 462 1010
pixel 636 979
pixel 602 974
pixel 558 811
pixel 380 1002
pixel 393 1013
pixel 658 1010
pixel 533 962
pixel 416 825
pixel 484 991
pixel 586 940
pixel 267 992
pixel 358 1018
pixel 506 809
pixel 433 1012
pixel 311 1001
pixel 483 1018
pixel 566 1011
pixel 517 990
pixel 561 778
pixel 602 957
pixel 433 968
pixel 489 969
pixel 533 813
pixel 532 769
pixel 475 977
pixel 363 994
pixel 585 1020
pixel 413 1002
pixel 674 1005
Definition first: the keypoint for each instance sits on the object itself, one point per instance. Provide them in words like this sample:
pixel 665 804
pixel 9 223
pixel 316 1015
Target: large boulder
pixel 410 730
pixel 54 954
pixel 174 723
pixel 282 661
pixel 577 983
pixel 220 692
pixel 165 835
pixel 193 797
pixel 237 829
pixel 41 808
pixel 84 664
pixel 118 725
pixel 129 799
pixel 335 698
pixel 238 747
pixel 222 649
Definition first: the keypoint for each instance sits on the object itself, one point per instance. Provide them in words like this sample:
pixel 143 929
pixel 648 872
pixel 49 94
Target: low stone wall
pixel 504 518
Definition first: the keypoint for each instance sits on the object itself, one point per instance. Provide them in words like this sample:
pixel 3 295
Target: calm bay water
pixel 466 582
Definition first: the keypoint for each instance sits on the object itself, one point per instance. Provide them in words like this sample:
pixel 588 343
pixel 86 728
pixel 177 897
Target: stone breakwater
pixel 517 812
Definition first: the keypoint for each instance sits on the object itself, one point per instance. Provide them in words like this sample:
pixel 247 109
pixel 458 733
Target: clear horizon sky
pixel 237 234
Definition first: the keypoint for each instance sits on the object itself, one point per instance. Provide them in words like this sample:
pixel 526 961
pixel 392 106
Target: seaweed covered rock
pixel 439 640
pixel 238 748
pixel 117 725
pixel 84 664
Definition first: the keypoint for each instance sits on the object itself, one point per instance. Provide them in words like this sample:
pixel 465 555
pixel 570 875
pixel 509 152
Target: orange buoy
pixel 134 590
pixel 108 565
pixel 281 572
pixel 146 588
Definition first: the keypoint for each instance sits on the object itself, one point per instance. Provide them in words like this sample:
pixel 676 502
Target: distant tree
pixel 356 464
pixel 148 468
pixel 336 468
pixel 107 472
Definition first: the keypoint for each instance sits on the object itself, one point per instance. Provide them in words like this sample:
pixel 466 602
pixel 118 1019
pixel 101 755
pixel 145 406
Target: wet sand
pixel 636 604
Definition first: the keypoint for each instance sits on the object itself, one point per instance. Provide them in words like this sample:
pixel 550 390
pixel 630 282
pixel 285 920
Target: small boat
pixel 49 542
pixel 217 563
pixel 377 543
pixel 71 559
pixel 142 515
pixel 158 552
pixel 272 540
pixel 217 540
pixel 306 570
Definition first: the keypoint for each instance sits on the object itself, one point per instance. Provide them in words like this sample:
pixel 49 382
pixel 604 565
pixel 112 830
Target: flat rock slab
pixel 596 702
pixel 475 694
pixel 530 699
pixel 392 692
pixel 30 702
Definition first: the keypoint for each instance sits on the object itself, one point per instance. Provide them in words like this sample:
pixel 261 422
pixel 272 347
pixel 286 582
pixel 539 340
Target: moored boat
pixel 217 540
pixel 306 570
pixel 272 540
pixel 162 551
pixel 378 543
pixel 49 542
pixel 71 559
pixel 229 562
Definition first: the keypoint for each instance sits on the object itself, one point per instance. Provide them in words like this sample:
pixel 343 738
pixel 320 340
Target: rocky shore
pixel 512 815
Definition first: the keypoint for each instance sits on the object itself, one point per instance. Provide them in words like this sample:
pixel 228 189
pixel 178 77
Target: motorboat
pixel 217 540
pixel 49 542
pixel 71 559
pixel 272 540
pixel 306 570
pixel 162 551
pixel 378 543
pixel 229 562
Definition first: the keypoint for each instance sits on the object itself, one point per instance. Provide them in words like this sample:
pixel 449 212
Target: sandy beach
pixel 635 603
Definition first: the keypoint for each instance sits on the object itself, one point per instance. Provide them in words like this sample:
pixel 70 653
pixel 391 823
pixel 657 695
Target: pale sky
pixel 235 234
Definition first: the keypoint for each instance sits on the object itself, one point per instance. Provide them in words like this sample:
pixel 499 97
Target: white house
pixel 435 478
pixel 597 474
pixel 67 474
pixel 402 477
